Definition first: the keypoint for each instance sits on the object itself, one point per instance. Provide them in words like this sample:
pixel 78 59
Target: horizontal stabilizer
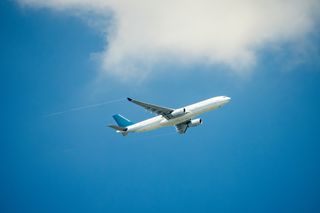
pixel 123 129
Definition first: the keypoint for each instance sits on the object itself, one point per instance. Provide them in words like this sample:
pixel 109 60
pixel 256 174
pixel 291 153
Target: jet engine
pixel 178 112
pixel 195 122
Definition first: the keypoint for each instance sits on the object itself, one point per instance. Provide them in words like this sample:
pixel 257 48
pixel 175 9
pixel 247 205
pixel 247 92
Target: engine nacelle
pixel 195 122
pixel 178 112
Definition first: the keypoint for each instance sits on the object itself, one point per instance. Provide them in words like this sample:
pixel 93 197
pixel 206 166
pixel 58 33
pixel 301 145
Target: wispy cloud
pixel 89 106
pixel 145 33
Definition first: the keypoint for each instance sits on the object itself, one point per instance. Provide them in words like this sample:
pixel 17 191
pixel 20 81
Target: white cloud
pixel 145 33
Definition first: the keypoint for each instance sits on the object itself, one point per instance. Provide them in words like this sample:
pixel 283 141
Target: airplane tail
pixel 119 129
pixel 122 121
pixel 122 124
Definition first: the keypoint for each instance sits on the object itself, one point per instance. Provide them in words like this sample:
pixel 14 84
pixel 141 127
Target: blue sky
pixel 259 153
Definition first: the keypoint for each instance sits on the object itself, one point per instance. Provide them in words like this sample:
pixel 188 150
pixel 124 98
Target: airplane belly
pixel 148 128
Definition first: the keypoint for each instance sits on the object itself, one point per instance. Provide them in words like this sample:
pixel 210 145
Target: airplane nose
pixel 228 99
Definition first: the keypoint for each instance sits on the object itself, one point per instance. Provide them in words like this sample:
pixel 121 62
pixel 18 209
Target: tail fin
pixel 122 121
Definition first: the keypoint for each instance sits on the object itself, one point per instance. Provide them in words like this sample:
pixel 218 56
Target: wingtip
pixel 129 99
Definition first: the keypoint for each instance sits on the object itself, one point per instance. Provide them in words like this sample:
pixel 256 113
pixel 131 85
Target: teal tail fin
pixel 122 121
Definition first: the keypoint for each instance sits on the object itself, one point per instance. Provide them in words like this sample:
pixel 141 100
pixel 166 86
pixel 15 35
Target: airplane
pixel 181 118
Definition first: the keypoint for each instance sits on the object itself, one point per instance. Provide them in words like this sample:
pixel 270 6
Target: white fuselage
pixel 192 111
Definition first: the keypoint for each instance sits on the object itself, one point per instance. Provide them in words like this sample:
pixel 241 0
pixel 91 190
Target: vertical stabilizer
pixel 122 121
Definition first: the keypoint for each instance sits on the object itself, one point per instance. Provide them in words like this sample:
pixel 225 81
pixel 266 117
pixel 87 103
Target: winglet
pixel 129 99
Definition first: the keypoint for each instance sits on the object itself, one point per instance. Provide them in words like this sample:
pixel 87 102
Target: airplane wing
pixel 164 111
pixel 182 127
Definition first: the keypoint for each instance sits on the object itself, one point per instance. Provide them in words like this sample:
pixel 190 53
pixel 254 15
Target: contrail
pixel 84 107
